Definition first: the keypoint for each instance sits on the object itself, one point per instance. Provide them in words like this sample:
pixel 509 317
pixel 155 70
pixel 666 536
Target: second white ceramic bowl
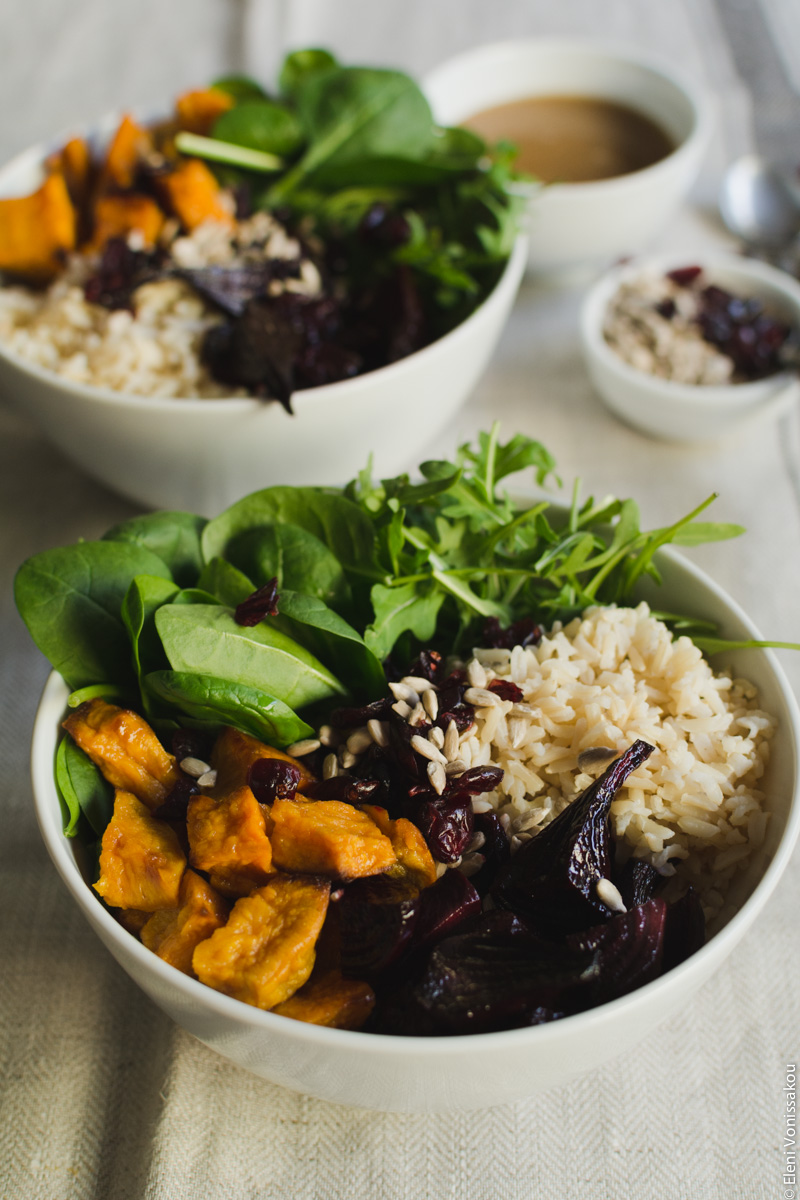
pixel 434 1074
pixel 202 455
pixel 689 412
pixel 580 224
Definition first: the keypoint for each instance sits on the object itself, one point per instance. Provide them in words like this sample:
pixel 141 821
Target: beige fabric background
pixel 101 1096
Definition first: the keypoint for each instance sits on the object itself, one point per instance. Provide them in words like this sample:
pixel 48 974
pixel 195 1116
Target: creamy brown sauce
pixel 574 139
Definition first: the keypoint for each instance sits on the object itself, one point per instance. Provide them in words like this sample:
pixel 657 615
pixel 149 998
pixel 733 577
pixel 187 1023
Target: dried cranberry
pixel 524 632
pixel 462 716
pixel 506 690
pixel 475 781
pixel 685 276
pixel 271 779
pixel 121 270
pixel 262 603
pixel 428 664
pixel 349 718
pixel 345 789
pixel 446 823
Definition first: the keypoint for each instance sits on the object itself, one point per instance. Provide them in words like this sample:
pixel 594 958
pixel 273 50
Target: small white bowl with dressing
pixel 585 113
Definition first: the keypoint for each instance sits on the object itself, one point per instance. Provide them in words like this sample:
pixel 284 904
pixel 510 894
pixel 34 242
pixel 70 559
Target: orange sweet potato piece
pixel 127 147
pixel 175 933
pixel 194 195
pixel 75 164
pixel 329 999
pixel 125 749
pixel 228 838
pixel 198 110
pixel 133 919
pixel 141 862
pixel 326 837
pixel 414 859
pixel 37 231
pixel 117 216
pixel 265 952
pixel 234 754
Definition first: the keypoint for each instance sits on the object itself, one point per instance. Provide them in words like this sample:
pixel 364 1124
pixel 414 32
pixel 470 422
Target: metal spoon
pixel 759 206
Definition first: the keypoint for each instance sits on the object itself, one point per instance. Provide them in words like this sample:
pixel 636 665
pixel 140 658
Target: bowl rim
pixel 698 96
pixel 594 304
pixel 193 992
pixel 305 398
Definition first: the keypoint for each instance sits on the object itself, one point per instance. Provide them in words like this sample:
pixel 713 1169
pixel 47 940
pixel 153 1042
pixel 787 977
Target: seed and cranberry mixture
pixel 680 327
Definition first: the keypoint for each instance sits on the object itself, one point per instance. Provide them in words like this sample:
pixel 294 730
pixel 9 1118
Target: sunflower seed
pixel 451 740
pixel 430 703
pixel 378 732
pixel 402 709
pixel 417 683
pixel 330 768
pixel 347 759
pixel 437 777
pixel 427 750
pixel 194 767
pixel 208 780
pixel 306 746
pixel 358 741
pixel 456 767
pixel 436 736
pixel 401 691
pixel 608 893
pixel 481 697
pixel 471 864
pixel 418 716
pixel 326 735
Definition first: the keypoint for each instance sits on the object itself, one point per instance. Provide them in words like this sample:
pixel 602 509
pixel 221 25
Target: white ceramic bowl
pixel 201 455
pixel 689 412
pixel 578 224
pixel 431 1074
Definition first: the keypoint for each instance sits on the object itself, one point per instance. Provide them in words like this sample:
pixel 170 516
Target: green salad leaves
pixel 147 615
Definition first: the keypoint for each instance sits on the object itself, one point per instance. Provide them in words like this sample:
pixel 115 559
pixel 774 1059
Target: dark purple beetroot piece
pixel 120 271
pixel 637 882
pixel 498 976
pixel 685 930
pixel 629 950
pixel 496 851
pixel 272 779
pixel 446 823
pixel 444 906
pixel 551 881
pixel 685 276
pixel 232 287
pixel 261 604
pixel 376 921
pixel 524 632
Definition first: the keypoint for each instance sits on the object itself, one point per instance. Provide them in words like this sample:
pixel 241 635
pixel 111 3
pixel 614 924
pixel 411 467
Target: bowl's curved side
pixel 436 1074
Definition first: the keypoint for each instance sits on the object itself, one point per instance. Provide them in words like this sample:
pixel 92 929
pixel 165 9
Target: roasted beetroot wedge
pixel 376 922
pixel 496 851
pixel 637 882
pixel 443 907
pixel 629 950
pixel 496 976
pixel 552 880
pixel 686 929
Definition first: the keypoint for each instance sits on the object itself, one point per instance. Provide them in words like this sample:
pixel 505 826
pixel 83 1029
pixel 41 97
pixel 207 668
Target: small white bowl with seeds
pixel 650 362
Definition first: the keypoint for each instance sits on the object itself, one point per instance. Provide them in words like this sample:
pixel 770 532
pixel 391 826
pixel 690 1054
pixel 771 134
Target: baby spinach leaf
pixel 241 87
pixel 146 594
pixel 226 582
pixel 205 639
pixel 70 599
pixel 293 556
pixel 353 114
pixel 173 536
pixel 300 66
pixel 209 700
pixel 260 125
pixel 82 789
pixel 398 609
pixel 336 521
pixel 321 630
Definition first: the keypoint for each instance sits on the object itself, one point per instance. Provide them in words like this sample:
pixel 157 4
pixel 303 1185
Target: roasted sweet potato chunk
pixel 414 859
pixel 128 145
pixel 37 231
pixel 141 862
pixel 265 952
pixel 234 754
pixel 228 838
pixel 326 837
pixel 198 110
pixel 175 933
pixel 118 216
pixel 125 749
pixel 194 194
pixel 330 1000
pixel 74 161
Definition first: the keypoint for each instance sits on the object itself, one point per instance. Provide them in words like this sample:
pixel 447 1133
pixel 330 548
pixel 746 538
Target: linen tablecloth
pixel 101 1096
